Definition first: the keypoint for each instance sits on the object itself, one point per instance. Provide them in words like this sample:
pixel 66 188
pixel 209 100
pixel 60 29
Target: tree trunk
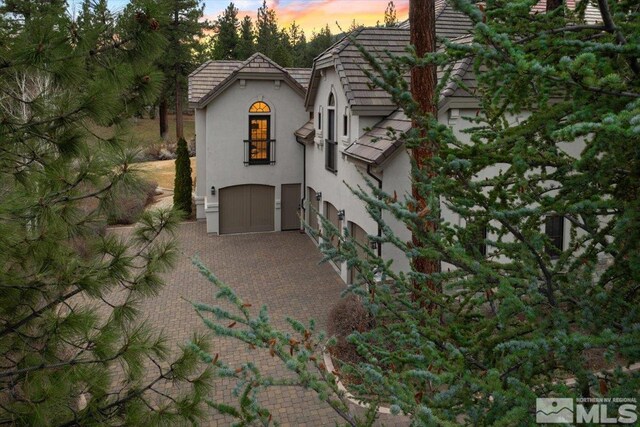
pixel 422 19
pixel 164 119
pixel 179 118
pixel 553 4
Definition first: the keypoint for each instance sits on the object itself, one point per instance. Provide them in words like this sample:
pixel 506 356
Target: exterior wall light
pixel 341 214
pixel 319 196
pixel 213 190
pixel 374 245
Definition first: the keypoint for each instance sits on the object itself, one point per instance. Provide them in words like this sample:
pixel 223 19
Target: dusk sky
pixel 309 14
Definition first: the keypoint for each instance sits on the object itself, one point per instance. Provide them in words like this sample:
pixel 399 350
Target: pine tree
pixel 74 349
pixel 183 186
pixel 390 15
pixel 182 28
pixel 298 43
pixel 246 44
pixel 518 314
pixel 319 42
pixel 226 41
pixel 267 32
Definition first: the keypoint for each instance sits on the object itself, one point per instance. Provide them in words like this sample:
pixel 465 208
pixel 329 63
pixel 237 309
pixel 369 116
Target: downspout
pixel 304 183
pixel 379 181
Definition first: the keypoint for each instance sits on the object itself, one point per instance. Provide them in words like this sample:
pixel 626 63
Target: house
pixel 249 166
pixel 279 143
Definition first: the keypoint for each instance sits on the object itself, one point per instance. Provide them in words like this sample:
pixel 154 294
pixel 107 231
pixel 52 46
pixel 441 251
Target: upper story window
pixel 259 148
pixel 331 150
pixel 345 123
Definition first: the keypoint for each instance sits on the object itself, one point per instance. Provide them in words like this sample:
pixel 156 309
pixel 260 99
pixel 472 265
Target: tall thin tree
pixel 422 21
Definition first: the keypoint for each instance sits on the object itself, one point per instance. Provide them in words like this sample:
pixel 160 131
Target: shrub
pixel 349 315
pixel 129 203
pixel 183 184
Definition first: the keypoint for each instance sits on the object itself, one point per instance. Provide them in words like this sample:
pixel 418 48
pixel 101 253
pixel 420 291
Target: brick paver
pixel 280 270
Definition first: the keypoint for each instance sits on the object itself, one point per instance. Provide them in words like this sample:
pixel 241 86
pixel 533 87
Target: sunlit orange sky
pixel 309 14
pixel 314 14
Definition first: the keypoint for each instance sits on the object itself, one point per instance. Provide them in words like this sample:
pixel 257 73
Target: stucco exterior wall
pixel 333 186
pixel 227 126
pixel 201 168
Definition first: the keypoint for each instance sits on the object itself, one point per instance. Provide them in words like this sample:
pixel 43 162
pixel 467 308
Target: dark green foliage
pixel 73 348
pixel 517 323
pixel 246 43
pixel 183 184
pixel 288 47
pixel 226 45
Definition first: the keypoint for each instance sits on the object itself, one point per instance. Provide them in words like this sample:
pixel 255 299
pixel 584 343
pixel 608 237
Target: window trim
pixel 331 150
pixel 269 142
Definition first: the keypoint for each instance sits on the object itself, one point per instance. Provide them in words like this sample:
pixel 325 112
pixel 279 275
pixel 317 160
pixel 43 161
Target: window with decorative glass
pixel 259 147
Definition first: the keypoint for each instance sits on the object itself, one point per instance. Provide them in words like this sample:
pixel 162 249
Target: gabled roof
pixel 208 76
pixel 380 42
pixel 213 77
pixel 591 13
pixel 378 144
pixel 449 22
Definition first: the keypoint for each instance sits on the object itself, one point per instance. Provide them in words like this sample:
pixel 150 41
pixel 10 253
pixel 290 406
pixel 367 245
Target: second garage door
pixel 246 209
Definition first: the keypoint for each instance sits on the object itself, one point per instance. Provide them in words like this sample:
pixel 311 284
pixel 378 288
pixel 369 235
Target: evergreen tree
pixel 226 41
pixel 298 43
pixel 74 349
pixel 182 28
pixel 267 32
pixel 519 314
pixel 183 186
pixel 390 15
pixel 246 44
pixel 319 42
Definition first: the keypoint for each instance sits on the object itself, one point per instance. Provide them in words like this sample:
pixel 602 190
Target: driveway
pixel 280 270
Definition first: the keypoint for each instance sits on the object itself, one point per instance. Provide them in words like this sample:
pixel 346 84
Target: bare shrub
pixel 130 203
pixel 346 317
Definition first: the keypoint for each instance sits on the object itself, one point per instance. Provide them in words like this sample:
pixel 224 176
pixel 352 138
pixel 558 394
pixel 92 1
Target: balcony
pixel 331 155
pixel 259 152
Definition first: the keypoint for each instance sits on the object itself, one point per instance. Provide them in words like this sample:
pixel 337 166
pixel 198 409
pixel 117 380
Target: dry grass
pixel 164 171
pixel 145 132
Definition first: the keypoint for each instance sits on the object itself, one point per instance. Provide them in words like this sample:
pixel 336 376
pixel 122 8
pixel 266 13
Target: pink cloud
pixel 337 13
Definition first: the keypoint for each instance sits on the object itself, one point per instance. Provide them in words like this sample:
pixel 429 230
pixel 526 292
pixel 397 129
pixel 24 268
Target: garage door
pixel 246 209
pixel 290 207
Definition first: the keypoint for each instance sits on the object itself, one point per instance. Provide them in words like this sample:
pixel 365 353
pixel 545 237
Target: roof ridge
pixel 200 67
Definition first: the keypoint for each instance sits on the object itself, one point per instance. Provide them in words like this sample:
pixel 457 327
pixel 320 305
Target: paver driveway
pixel 280 270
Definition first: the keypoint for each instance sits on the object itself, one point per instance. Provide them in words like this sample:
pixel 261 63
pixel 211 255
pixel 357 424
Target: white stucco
pixel 226 127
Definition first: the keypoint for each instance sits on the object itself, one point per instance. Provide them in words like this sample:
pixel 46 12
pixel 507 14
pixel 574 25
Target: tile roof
pixel 306 133
pixel 591 13
pixel 377 145
pixel 302 75
pixel 211 77
pixel 380 42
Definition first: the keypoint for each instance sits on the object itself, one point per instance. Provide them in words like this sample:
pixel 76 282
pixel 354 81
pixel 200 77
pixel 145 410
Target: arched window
pixel 260 147
pixel 259 107
pixel 332 100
